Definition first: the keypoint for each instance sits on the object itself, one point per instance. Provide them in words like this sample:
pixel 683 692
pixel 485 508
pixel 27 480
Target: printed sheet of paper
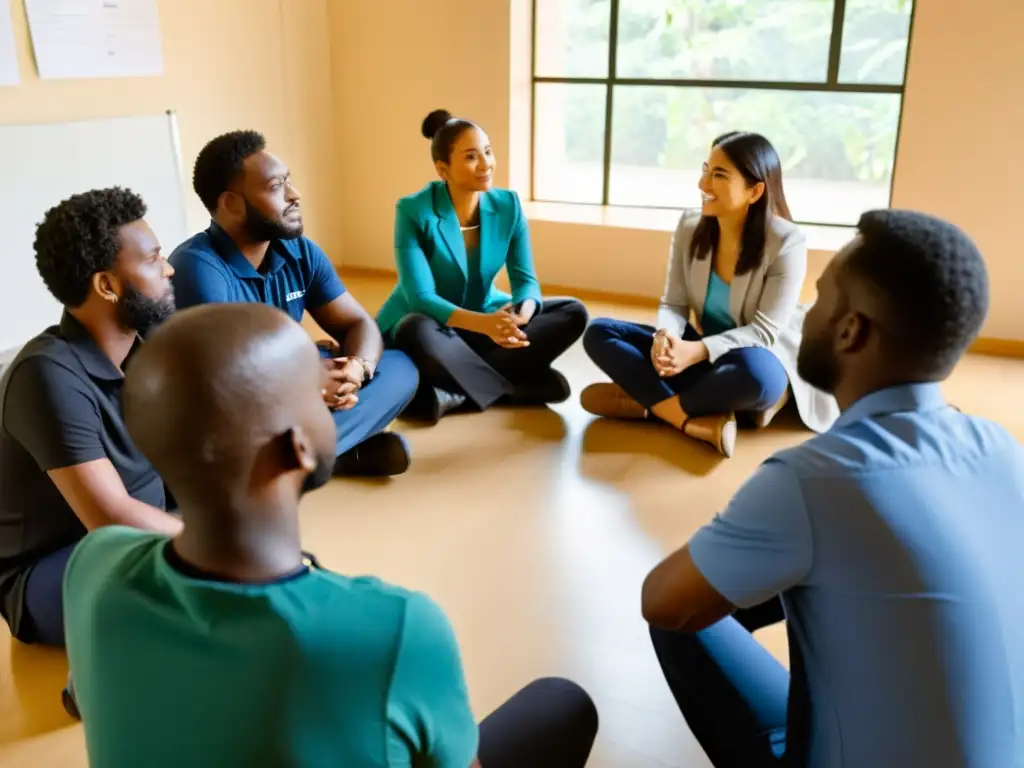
pixel 95 38
pixel 8 54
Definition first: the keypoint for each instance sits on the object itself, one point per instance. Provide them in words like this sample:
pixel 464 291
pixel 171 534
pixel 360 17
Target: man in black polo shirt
pixel 67 464
pixel 254 252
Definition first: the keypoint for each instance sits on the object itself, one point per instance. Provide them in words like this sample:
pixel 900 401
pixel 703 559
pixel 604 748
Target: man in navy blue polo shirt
pixel 254 251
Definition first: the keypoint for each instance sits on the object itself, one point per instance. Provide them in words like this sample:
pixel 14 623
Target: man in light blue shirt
pixel 891 542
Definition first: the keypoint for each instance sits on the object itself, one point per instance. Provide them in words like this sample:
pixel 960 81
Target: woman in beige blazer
pixel 738 266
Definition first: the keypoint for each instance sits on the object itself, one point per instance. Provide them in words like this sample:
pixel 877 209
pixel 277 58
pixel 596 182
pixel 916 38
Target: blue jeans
pixel 748 379
pixel 380 401
pixel 733 694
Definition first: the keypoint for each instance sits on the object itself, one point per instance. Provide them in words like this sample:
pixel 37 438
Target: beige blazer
pixel 764 304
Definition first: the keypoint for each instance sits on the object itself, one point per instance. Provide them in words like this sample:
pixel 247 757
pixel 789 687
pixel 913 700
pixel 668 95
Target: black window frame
pixel 830 85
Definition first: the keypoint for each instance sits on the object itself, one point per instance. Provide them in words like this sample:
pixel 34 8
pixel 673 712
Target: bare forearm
pixel 363 340
pixel 466 320
pixel 137 514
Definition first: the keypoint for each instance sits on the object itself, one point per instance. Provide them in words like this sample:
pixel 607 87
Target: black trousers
pixel 473 365
pixel 551 723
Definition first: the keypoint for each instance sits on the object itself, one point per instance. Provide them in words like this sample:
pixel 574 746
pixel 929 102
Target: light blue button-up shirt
pixel 896 540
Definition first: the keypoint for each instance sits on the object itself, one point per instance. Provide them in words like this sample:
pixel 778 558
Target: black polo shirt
pixel 60 405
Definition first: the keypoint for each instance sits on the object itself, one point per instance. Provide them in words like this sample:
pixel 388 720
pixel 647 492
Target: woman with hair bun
pixel 474 345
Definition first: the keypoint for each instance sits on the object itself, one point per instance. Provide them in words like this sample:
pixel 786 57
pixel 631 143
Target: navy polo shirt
pixel 295 276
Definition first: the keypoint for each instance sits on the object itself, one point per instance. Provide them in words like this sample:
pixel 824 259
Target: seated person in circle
pixel 223 646
pixel 254 251
pixel 469 340
pixel 739 265
pixel 67 463
pixel 892 541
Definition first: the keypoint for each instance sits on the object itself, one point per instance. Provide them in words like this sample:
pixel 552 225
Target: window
pixel 628 95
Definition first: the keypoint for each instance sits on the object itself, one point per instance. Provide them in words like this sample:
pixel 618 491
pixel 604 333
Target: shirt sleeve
pixel 522 275
pixel 196 281
pixel 324 284
pixel 415 277
pixel 52 413
pixel 761 544
pixel 430 720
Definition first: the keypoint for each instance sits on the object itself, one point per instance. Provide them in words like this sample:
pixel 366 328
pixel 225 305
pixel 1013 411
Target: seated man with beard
pixel 254 252
pixel 67 464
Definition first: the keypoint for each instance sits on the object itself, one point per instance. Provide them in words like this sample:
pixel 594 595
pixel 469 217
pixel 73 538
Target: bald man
pixel 225 642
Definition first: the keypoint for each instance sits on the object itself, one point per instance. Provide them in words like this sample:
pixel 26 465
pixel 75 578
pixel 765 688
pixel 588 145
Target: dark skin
pixel 847 349
pixel 251 379
pixel 94 490
pixel 265 182
pixel 239 477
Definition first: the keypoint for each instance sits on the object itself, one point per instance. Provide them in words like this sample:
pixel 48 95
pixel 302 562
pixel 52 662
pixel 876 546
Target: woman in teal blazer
pixel 472 342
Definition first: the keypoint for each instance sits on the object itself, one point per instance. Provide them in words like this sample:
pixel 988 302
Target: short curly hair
pixel 81 236
pixel 220 162
pixel 932 282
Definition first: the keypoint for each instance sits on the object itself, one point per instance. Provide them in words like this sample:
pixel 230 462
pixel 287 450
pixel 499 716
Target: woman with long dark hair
pixel 738 265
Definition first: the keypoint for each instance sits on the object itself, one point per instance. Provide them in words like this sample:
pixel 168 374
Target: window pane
pixel 568 142
pixel 777 40
pixel 875 36
pixel 837 149
pixel 572 38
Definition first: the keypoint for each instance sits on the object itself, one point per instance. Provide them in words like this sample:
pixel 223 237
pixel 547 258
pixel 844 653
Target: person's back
pixel 312 669
pixel 910 622
pixel 223 646
pixel 889 543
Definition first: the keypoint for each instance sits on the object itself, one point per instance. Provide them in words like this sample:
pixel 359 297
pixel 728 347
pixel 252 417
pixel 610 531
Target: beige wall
pixel 965 87
pixel 958 155
pixel 261 64
pixel 339 88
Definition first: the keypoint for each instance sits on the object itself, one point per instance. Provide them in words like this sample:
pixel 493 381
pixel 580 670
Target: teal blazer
pixel 431 256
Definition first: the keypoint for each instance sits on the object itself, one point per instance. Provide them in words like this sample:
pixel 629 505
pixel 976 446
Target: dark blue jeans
pixel 733 694
pixel 749 379
pixel 380 401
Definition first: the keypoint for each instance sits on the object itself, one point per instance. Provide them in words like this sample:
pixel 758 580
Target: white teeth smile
pixel 708 198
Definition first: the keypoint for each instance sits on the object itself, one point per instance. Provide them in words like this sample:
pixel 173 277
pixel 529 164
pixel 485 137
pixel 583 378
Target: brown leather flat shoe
pixel 611 401
pixel 719 431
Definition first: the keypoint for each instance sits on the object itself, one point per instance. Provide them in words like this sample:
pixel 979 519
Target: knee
pixel 576 317
pixel 400 373
pixel 600 331
pixel 413 328
pixel 766 376
pixel 573 703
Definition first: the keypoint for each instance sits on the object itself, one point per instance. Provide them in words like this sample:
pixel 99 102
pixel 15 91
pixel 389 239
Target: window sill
pixel 819 238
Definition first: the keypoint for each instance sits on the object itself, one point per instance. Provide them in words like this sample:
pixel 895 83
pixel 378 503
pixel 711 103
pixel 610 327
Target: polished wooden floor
pixel 533 529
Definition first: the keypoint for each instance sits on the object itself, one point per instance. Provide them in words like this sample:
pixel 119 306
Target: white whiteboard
pixel 40 165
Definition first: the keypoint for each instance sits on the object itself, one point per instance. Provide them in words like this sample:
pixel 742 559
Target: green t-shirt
pixel 314 670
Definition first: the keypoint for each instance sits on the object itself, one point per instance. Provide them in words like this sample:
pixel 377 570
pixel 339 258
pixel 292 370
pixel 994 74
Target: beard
pixel 260 229
pixel 816 362
pixel 137 312
pixel 320 476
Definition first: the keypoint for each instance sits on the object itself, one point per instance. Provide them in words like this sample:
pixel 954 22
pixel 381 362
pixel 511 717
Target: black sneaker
pixel 432 403
pixel 67 698
pixel 382 455
pixel 546 387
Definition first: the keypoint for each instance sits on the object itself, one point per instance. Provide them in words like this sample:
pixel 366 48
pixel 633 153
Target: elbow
pixel 658 609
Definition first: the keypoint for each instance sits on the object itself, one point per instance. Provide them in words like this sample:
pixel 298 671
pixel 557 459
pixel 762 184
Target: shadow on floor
pixel 38 674
pixel 608 436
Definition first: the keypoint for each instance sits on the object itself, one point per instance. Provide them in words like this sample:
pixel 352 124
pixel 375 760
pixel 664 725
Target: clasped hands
pixel 505 327
pixel 671 355
pixel 344 378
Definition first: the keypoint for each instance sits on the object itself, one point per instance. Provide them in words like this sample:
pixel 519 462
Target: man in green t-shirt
pixel 223 646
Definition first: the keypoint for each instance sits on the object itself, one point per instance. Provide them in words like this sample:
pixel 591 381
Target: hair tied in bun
pixel 434 122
